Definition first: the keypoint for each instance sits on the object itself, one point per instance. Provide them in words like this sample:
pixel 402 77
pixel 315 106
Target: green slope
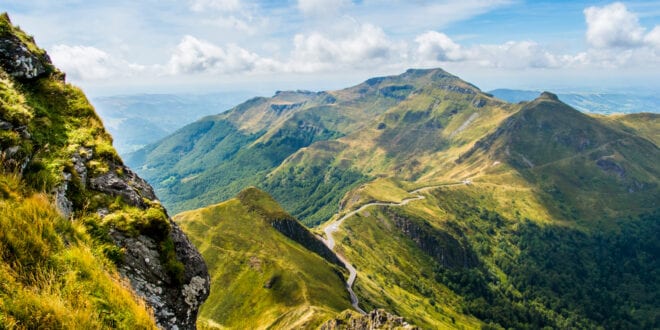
pixel 56 270
pixel 487 252
pixel 216 157
pixel 554 228
pixel 261 278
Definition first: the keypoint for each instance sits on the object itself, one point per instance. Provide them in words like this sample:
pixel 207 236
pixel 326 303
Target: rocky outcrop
pixel 376 319
pixel 17 59
pixel 159 261
pixel 443 247
pixel 175 298
pixel 175 302
pixel 292 229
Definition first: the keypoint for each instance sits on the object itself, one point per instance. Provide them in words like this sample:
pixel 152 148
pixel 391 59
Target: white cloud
pixel 436 46
pixel 198 56
pixel 219 5
pixel 321 7
pixel 88 63
pixel 653 38
pixel 614 36
pixel 367 46
pixel 613 26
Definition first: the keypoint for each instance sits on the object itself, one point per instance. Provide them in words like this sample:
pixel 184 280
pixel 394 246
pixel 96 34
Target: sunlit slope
pixel 260 277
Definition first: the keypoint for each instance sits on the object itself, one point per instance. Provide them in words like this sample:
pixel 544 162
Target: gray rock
pixel 17 60
pixel 129 186
pixel 376 319
pixel 64 205
pixel 5 125
pixel 175 305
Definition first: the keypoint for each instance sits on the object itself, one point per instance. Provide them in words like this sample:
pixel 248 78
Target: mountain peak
pixel 548 96
pixel 19 55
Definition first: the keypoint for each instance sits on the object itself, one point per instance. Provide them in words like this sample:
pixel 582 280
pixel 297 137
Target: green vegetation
pixel 57 272
pixel 555 227
pixel 53 274
pixel 260 278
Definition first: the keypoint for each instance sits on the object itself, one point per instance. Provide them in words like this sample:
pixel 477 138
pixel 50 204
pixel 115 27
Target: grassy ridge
pixel 259 277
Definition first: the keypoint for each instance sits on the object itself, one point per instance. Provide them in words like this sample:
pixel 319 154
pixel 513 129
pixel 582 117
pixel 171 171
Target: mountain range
pixel 602 103
pixel 457 209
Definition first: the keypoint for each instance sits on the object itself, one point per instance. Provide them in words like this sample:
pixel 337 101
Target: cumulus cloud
pixel 367 45
pixel 198 56
pixel 435 47
pixel 321 7
pixel 614 36
pixel 438 46
pixel 89 63
pixel 613 26
pixel 653 38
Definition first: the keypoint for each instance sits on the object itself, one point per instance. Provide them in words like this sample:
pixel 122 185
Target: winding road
pixel 329 241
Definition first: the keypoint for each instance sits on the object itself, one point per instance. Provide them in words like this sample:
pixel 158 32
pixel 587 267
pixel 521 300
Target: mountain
pixel 602 103
pixel 455 208
pixel 84 243
pixel 267 270
pixel 138 120
pixel 256 142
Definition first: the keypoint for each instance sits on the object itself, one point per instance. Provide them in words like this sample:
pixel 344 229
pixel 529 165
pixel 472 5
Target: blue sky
pixel 124 46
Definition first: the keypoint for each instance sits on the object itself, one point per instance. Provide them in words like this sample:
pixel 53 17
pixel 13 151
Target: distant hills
pixel 603 103
pixel 140 119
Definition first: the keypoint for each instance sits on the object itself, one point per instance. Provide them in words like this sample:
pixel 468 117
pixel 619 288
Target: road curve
pixel 329 230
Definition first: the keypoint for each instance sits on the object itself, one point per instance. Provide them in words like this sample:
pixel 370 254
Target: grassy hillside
pixel 71 212
pixel 283 143
pixel 534 214
pixel 53 273
pixel 260 277
pixel 530 270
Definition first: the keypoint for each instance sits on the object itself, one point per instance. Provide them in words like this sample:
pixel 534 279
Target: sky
pixel 202 46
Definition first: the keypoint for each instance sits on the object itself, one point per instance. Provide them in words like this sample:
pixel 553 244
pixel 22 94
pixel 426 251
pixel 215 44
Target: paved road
pixel 329 241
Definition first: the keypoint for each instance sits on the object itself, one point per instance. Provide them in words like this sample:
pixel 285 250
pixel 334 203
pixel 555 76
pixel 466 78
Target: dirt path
pixel 329 241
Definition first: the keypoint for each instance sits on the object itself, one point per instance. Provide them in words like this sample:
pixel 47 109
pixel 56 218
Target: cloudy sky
pixel 127 46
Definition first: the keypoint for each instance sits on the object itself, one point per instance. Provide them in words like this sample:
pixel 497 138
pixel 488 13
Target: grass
pixel 61 273
pixel 53 274
pixel 259 277
pixel 395 275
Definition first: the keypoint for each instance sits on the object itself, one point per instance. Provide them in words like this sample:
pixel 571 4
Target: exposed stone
pixel 609 165
pixel 129 186
pixel 175 305
pixel 442 246
pixel 64 205
pixel 79 159
pixel 17 60
pixel 5 126
pixel 376 319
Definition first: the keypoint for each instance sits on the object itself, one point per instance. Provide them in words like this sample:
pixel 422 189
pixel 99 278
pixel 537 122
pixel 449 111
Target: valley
pixel 440 203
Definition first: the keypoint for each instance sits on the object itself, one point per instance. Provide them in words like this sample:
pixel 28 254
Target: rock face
pixel 376 319
pixel 163 267
pixel 18 61
pixel 441 246
pixel 175 301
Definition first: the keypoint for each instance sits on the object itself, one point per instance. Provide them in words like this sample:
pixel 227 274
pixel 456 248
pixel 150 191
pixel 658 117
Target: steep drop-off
pixel 56 154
